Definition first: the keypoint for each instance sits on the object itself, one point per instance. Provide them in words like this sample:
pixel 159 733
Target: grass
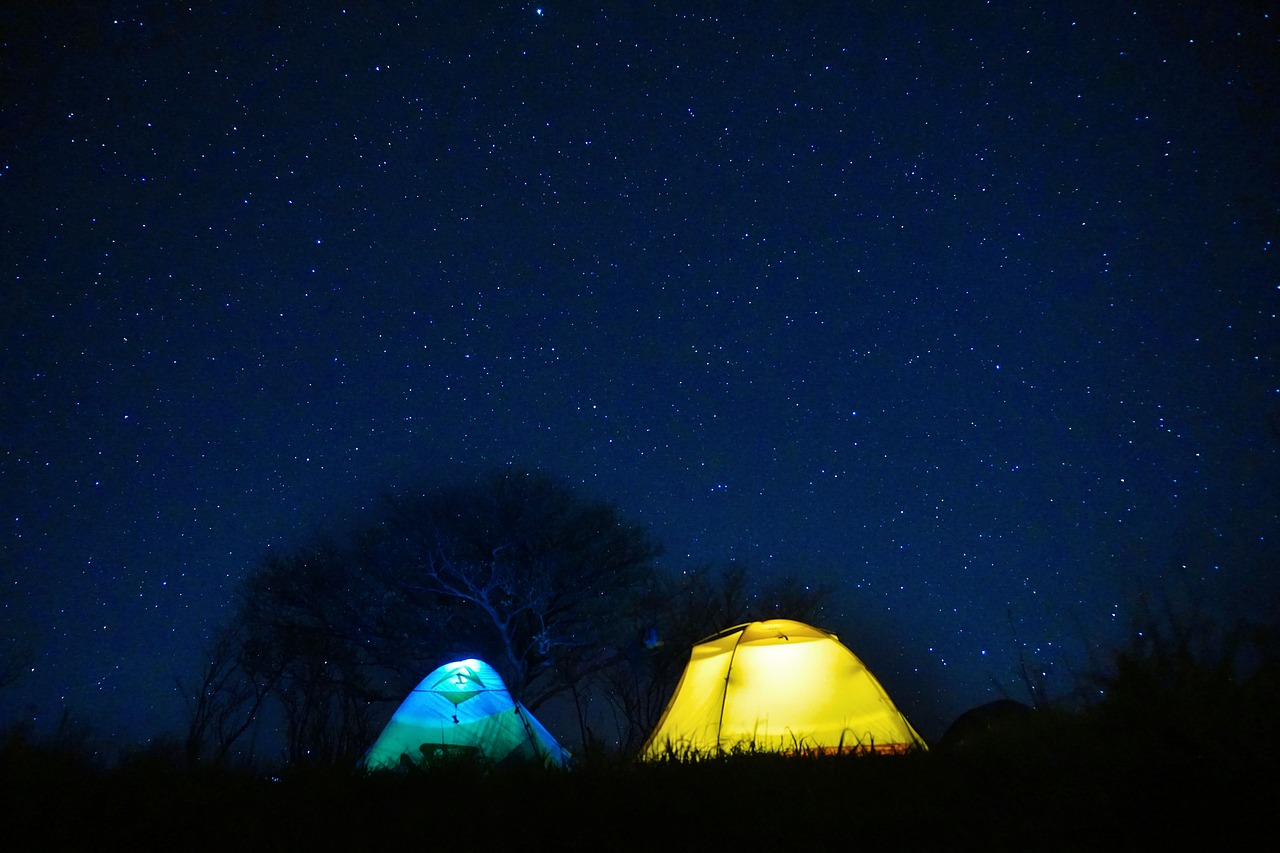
pixel 1054 783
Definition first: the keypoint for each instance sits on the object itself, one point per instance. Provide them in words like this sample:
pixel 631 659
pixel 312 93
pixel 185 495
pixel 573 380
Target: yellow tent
pixel 777 686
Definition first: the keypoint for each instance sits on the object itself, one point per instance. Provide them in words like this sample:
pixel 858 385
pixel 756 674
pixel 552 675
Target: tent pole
pixel 724 690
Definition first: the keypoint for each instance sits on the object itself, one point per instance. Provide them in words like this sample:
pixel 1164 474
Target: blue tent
pixel 463 708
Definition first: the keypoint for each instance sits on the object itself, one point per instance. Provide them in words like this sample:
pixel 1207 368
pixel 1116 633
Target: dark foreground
pixel 1060 787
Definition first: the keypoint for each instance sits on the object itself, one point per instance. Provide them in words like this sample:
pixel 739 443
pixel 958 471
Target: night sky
pixel 966 310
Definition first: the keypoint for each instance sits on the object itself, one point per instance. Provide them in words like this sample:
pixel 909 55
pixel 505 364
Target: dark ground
pixel 1044 782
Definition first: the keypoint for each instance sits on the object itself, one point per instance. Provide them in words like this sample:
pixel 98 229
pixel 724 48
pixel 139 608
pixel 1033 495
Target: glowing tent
pixel 462 708
pixel 777 686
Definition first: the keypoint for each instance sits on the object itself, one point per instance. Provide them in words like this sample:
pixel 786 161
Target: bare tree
pixel 518 564
pixel 309 628
pixel 225 704
pixel 514 568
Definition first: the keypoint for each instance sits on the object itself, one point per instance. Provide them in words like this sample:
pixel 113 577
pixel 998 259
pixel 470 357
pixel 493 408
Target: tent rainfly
pixel 462 708
pixel 777 686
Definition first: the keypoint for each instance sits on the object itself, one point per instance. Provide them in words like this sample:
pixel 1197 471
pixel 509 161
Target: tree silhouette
pixel 514 568
pixel 517 564
pixel 224 703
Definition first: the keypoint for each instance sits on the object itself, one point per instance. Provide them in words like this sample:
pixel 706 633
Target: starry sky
pixel 966 309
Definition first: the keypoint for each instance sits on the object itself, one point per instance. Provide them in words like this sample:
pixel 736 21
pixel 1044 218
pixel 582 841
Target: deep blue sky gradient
pixel 967 309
